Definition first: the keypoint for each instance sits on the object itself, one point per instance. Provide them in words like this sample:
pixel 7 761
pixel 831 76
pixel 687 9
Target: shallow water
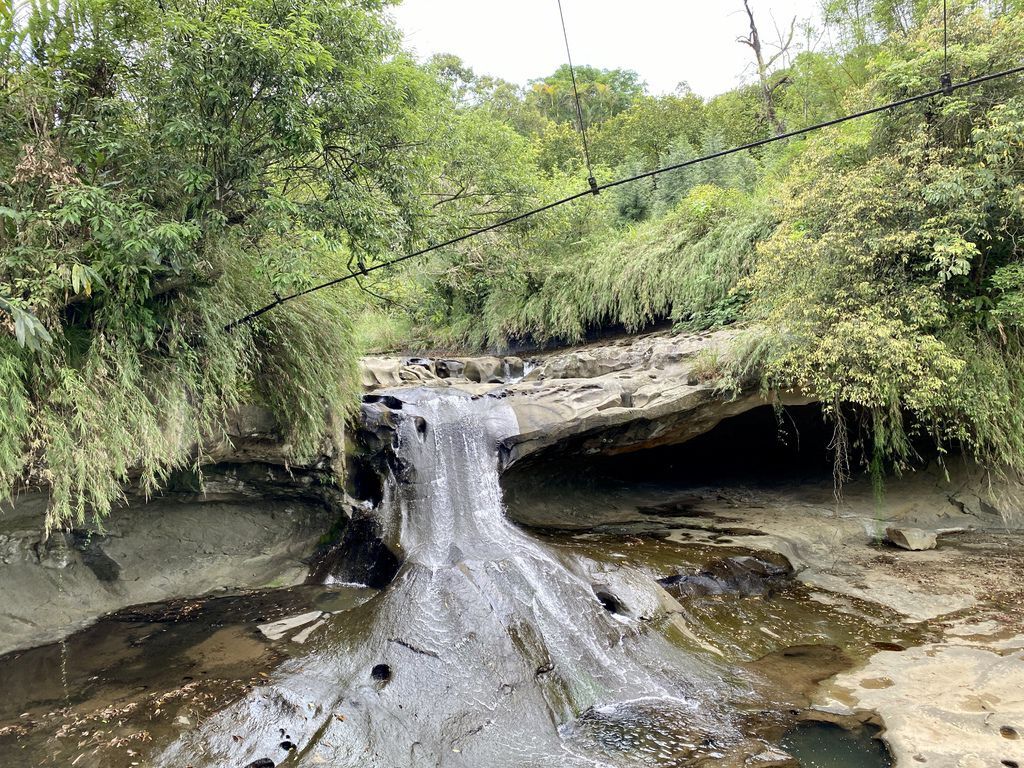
pixel 141 676
pixel 824 745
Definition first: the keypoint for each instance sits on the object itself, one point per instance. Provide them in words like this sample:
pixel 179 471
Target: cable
pixel 579 108
pixel 278 300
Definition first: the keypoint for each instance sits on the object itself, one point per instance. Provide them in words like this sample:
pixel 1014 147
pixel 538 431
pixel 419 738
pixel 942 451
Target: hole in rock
pixel 1008 733
pixel 381 673
pixel 1010 763
pixel 363 481
pixel 388 401
pixel 444 369
pixel 611 603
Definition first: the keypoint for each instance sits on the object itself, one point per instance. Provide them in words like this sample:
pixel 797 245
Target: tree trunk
pixel 768 87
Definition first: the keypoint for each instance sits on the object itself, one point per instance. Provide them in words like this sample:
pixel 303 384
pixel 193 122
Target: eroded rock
pixel 913 539
pixel 177 545
pixel 948 701
pixel 626 395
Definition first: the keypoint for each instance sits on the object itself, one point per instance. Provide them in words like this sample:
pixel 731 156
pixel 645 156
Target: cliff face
pixel 248 525
pixel 251 519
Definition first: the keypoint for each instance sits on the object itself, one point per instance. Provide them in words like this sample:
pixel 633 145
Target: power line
pixel 944 90
pixel 591 181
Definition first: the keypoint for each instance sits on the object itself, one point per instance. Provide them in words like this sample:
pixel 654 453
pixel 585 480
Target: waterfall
pixel 488 649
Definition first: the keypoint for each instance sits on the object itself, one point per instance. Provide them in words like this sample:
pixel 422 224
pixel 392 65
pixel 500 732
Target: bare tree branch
pixel 764 67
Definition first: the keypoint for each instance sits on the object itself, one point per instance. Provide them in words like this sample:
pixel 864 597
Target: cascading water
pixel 488 649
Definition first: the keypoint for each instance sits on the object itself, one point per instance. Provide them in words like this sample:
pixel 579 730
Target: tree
pixel 769 80
pixel 603 94
pixel 453 73
pixel 649 128
pixel 893 280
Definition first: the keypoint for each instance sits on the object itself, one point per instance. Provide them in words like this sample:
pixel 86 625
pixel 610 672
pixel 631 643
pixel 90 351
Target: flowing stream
pixel 488 649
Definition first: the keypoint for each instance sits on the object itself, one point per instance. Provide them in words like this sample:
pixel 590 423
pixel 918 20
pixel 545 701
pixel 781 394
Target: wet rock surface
pixel 360 557
pixel 139 677
pixel 249 526
pixel 929 643
pixel 740 575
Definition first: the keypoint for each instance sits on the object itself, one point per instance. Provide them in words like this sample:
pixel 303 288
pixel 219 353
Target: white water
pixel 499 651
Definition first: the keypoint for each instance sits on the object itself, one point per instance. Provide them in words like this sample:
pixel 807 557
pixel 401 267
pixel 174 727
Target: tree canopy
pixel 168 165
pixel 164 166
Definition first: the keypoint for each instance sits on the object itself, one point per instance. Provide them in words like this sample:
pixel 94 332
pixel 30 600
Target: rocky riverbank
pixel 694 507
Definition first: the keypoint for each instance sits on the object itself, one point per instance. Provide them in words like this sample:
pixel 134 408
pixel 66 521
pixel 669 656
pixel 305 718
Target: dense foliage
pixel 892 278
pixel 164 168
pixel 879 262
pixel 168 165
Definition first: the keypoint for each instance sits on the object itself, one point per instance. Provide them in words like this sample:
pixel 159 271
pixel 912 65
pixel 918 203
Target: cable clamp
pixel 946 80
pixel 594 189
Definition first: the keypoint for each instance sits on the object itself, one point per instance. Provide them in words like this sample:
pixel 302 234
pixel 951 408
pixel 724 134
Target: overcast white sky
pixel 666 41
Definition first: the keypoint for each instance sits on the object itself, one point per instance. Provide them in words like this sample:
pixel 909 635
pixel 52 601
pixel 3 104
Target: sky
pixel 665 41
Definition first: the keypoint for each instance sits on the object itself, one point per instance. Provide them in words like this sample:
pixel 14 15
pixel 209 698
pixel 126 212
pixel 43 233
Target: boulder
pixel 914 539
pixel 760 574
pixel 485 370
